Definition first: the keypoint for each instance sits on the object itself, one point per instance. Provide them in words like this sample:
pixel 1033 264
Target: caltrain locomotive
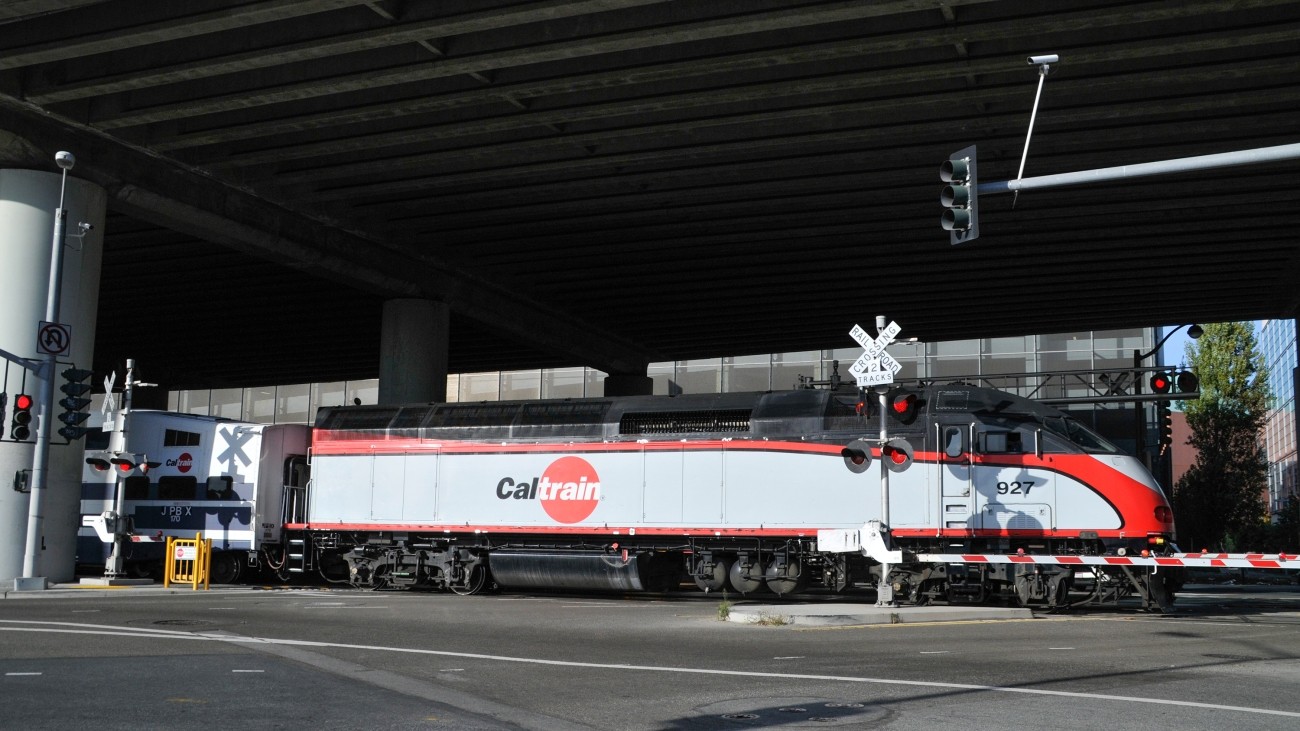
pixel 730 490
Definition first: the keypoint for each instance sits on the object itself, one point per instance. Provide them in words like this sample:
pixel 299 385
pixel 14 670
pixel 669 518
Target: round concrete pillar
pixel 28 199
pixel 413 351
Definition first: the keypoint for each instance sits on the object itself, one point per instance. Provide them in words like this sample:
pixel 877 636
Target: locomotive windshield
pixel 1086 439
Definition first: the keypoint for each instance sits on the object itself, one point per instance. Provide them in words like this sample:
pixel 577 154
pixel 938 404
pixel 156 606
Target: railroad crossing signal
pixel 74 403
pixel 961 214
pixel 903 405
pixel 875 367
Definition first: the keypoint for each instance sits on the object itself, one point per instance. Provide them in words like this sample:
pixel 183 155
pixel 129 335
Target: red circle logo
pixel 569 489
pixel 184 462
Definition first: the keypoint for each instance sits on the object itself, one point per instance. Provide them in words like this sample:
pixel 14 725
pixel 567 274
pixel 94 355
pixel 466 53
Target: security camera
pixel 1039 60
pixel 86 226
pixel 65 160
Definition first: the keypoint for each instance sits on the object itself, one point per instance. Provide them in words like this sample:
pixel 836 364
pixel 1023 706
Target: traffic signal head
pixel 1187 382
pixel 74 403
pixel 903 405
pixel 1165 423
pixel 1161 382
pixel 20 425
pixel 960 217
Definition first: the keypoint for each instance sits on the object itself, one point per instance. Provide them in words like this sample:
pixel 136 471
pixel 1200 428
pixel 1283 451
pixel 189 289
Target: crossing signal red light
pixel 903 405
pixel 1188 382
pixel 1161 382
pixel 896 454
pixel 857 456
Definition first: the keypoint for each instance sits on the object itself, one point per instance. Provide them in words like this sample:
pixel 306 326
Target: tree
pixel 1220 500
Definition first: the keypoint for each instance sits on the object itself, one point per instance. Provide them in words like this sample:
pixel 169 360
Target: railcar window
pixel 175 487
pixel 136 487
pixel 221 488
pixel 178 438
pixel 1086 439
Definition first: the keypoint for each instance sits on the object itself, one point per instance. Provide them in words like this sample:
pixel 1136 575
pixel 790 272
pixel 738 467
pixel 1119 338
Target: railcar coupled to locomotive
pixel 729 490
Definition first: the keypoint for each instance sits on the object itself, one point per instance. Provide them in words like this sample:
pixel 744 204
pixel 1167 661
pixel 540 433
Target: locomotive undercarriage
pixel 470 565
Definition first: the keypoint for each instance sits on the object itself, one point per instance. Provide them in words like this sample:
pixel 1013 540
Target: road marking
pixel 247 671
pixel 1060 648
pixel 789 657
pixel 19 625
pixel 935 652
pixel 8 675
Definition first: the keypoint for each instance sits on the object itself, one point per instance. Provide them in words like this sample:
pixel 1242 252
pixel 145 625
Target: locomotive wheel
pixel 475 582
pixel 746 584
pixel 715 580
pixel 225 568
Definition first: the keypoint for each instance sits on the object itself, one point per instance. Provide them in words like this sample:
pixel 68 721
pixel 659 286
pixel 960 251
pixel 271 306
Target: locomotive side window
pixel 1083 437
pixel 136 487
pixel 1004 442
pixel 953 442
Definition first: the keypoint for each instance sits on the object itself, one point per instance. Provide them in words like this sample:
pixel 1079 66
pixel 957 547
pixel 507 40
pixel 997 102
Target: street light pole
pixel 40 461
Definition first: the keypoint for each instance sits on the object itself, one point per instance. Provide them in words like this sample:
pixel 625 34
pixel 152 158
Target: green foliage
pixel 1220 500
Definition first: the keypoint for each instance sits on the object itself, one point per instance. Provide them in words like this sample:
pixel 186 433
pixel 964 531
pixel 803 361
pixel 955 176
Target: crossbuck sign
pixel 875 367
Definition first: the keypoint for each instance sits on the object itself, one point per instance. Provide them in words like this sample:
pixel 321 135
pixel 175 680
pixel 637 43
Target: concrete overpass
pixel 611 182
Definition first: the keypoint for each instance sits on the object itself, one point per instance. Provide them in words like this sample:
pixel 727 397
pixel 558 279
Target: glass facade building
pixel 990 359
pixel 1277 345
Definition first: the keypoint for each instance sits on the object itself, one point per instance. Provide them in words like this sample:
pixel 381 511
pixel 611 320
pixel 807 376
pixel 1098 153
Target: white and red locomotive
pixel 636 493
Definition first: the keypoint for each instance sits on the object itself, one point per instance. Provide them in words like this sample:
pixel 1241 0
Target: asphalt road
pixel 286 659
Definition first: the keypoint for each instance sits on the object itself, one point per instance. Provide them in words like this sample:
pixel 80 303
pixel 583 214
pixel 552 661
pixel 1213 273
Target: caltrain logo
pixel 182 463
pixel 568 490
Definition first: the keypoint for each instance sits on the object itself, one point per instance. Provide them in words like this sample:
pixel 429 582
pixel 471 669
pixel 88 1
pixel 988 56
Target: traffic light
pixel 961 217
pixel 857 456
pixel 1161 382
pixel 903 405
pixel 1165 423
pixel 20 425
pixel 896 454
pixel 1187 382
pixel 4 405
pixel 73 403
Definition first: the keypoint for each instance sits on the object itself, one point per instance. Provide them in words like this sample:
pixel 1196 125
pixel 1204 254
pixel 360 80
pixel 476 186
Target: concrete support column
pixel 628 384
pixel 28 199
pixel 413 351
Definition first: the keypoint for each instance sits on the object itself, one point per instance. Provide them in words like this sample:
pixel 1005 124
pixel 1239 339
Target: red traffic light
pixel 23 402
pixel 20 427
pixel 1161 382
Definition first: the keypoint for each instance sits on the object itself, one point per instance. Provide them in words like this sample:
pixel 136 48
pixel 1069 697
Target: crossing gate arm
pixel 1185 560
